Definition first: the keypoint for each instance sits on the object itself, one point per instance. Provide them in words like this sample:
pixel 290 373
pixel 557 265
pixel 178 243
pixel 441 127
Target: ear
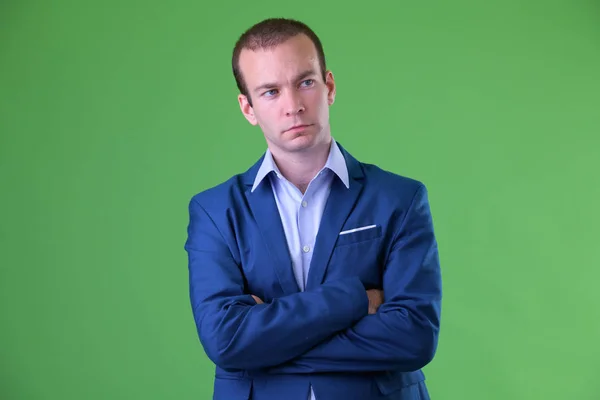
pixel 247 109
pixel 330 83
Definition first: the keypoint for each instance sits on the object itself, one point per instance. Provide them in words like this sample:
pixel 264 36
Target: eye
pixel 308 82
pixel 270 93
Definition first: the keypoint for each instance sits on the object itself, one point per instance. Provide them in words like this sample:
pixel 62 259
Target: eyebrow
pixel 300 76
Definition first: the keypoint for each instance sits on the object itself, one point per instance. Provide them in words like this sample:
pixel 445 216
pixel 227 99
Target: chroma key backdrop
pixel 114 114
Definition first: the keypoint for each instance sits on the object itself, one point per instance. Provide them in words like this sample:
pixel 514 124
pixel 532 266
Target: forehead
pixel 279 63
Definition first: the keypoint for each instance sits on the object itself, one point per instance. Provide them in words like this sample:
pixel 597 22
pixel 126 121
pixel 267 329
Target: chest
pixel 359 250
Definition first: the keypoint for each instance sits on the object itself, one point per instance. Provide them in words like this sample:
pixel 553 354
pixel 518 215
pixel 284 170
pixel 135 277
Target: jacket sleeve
pixel 238 333
pixel 403 334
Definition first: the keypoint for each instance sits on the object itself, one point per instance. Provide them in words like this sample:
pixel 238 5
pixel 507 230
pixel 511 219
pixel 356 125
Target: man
pixel 312 275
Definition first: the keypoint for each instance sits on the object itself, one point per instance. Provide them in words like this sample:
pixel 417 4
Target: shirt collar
pixel 335 162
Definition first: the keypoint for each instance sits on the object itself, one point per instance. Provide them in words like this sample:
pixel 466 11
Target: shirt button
pixel 306 249
pixel 304 203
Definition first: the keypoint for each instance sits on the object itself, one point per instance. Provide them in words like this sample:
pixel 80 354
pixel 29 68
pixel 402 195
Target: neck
pixel 301 167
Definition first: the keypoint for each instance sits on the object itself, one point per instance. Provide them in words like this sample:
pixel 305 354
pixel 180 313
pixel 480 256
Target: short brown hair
pixel 269 33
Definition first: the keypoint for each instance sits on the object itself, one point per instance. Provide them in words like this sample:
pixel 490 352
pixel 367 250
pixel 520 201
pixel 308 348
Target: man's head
pixel 280 70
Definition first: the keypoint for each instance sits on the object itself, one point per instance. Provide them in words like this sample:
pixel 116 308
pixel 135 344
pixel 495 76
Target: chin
pixel 301 142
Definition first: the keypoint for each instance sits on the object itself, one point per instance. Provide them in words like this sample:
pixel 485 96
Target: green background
pixel 113 114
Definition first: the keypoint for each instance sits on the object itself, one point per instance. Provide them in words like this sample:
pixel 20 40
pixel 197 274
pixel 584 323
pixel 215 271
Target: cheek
pixel 321 106
pixel 266 117
pixel 318 100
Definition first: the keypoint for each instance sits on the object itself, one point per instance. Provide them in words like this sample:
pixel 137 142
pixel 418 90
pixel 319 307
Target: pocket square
pixel 362 228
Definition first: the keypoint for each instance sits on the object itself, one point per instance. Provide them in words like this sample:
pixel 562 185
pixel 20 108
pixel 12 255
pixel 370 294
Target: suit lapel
pixel 340 203
pixel 266 214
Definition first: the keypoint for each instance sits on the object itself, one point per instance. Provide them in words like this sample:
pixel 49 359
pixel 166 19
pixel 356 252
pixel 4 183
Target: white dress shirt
pixel 301 213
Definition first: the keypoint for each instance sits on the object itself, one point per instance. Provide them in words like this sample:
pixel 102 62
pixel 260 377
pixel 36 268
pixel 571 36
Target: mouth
pixel 298 128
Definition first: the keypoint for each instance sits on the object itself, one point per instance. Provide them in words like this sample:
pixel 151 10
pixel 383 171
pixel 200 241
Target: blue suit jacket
pixel 323 336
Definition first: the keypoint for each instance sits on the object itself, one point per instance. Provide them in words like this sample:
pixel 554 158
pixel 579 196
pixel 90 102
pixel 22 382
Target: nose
pixel 294 104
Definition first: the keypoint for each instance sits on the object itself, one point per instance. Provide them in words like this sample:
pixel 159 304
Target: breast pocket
pixel 358 253
pixel 358 235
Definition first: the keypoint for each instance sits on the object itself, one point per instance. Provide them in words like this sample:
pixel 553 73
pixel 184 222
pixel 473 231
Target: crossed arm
pixel 375 297
pixel 327 329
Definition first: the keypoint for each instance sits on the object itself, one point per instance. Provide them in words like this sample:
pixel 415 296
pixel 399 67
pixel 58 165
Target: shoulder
pixel 221 194
pixel 388 187
pixel 391 185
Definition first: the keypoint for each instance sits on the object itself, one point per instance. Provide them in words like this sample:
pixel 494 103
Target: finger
pixel 257 299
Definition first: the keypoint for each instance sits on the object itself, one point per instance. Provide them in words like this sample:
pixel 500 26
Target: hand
pixel 257 299
pixel 375 299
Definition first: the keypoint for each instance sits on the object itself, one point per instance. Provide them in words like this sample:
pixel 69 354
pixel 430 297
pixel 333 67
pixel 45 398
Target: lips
pixel 297 127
